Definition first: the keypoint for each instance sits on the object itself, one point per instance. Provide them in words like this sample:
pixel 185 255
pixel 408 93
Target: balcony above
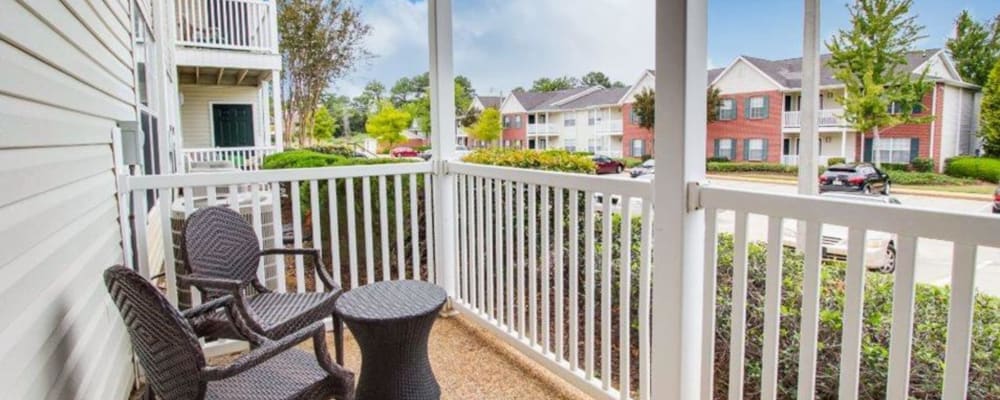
pixel 227 34
pixel 542 129
pixel 609 127
pixel 827 119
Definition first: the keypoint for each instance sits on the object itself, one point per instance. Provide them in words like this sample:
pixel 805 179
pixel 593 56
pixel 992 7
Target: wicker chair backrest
pixel 219 243
pixel 161 337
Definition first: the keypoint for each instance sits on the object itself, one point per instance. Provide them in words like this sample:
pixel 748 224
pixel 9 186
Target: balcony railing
pixel 827 118
pixel 538 262
pixel 794 160
pixel 244 158
pixel 228 24
pixel 539 129
pixel 611 126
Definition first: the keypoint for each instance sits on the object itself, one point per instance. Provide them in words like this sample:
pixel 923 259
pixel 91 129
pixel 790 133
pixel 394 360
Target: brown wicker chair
pixel 222 255
pixel 168 350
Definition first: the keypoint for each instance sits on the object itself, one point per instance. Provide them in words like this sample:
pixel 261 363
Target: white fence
pixel 245 158
pixel 228 24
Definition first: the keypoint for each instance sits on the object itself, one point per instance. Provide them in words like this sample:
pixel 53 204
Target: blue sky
pixel 502 44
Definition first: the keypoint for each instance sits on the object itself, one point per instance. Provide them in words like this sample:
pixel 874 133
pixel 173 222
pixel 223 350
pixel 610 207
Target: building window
pixel 895 150
pixel 895 108
pixel 727 110
pixel 506 121
pixel 517 121
pixel 756 107
pixel 569 144
pixel 569 119
pixel 756 150
pixel 638 148
pixel 592 117
pixel 634 116
pixel 724 148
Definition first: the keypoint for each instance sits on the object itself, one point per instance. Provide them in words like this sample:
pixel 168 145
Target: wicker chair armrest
pixel 267 350
pixel 195 312
pixel 324 275
pixel 217 284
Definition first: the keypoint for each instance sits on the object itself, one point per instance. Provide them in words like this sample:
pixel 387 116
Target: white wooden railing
pixel 913 227
pixel 609 126
pixel 793 159
pixel 373 220
pixel 827 118
pixel 228 24
pixel 534 129
pixel 536 266
pixel 244 158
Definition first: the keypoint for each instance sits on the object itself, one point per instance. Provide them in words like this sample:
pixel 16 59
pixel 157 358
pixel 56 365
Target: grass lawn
pixel 976 188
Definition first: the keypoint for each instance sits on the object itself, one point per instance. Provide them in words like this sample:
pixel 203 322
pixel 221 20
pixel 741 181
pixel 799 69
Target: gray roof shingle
pixel 490 101
pixel 788 72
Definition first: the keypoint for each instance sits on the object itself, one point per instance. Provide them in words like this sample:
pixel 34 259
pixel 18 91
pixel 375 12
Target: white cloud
pixel 502 44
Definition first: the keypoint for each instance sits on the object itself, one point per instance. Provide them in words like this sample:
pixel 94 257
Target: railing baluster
pixel 397 191
pixel 737 337
pixel 901 336
pixel 854 298
pixel 429 181
pixel 520 261
pixel 558 255
pixel 488 227
pixel 509 267
pixel 463 235
pixel 480 287
pixel 165 200
pixel 414 230
pixel 810 311
pixel 497 243
pixel 772 310
pixel 645 276
pixel 533 264
pixel 383 217
pixel 708 305
pixel 606 276
pixel 588 303
pixel 544 214
pixel 574 280
pixel 332 206
pixel 300 277
pixel 624 301
pixel 366 199
pixel 960 311
pixel 317 230
pixel 352 237
pixel 278 235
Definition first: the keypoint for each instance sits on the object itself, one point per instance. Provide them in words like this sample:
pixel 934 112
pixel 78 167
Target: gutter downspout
pixel 930 153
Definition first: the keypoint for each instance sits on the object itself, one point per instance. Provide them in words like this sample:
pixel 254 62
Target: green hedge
pixel 548 160
pixel 313 159
pixel 926 178
pixel 835 161
pixel 751 167
pixel 982 168
pixel 929 332
pixel 921 164
pixel 632 162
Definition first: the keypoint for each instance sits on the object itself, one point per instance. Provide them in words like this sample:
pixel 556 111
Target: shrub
pixel 751 167
pixel 982 168
pixel 718 159
pixel 929 331
pixel 926 178
pixel 333 149
pixel 632 162
pixel 895 167
pixel 313 159
pixel 548 160
pixel 921 164
pixel 835 161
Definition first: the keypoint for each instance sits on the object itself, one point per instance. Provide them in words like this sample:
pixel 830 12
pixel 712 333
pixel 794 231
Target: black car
pixel 861 177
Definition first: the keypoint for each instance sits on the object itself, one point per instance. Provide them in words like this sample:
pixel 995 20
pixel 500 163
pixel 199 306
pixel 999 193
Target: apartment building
pixel 479 104
pixel 579 119
pixel 759 116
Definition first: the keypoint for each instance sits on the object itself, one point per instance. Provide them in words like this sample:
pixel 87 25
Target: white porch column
pixel 809 136
pixel 279 120
pixel 442 80
pixel 679 232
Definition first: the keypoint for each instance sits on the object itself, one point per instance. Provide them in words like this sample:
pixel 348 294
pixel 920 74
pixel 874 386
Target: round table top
pixel 390 300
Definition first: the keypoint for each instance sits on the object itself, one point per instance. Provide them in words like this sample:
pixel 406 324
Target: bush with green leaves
pixel 313 159
pixel 922 164
pixel 547 160
pixel 926 178
pixel 725 167
pixel 718 159
pixel 895 167
pixel 835 161
pixel 981 168
pixel 632 162
pixel 929 332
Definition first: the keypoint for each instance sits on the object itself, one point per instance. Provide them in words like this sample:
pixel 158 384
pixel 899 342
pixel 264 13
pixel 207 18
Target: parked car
pixel 460 151
pixel 608 165
pixel 647 167
pixel 880 247
pixel 861 177
pixel 403 151
pixel 996 201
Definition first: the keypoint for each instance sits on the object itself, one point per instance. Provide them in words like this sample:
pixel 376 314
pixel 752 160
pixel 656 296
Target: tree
pixel 596 78
pixel 645 108
pixel 714 100
pixel 323 125
pixel 370 98
pixel 551 85
pixel 387 125
pixel 488 128
pixel 989 117
pixel 870 59
pixel 975 47
pixel 321 41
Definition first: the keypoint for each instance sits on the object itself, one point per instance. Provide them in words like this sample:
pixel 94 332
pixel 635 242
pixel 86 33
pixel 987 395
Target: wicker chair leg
pixel 338 339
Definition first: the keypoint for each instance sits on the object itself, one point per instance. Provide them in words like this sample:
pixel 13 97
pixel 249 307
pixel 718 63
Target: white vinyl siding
pixel 196 111
pixel 67 80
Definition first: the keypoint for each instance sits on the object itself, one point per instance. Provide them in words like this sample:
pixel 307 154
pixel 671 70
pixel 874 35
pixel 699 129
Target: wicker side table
pixel 392 321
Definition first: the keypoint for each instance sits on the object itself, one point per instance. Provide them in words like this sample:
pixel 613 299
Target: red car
pixel 400 152
pixel 608 165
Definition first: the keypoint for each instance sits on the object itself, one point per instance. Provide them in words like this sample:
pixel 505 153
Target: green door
pixel 232 125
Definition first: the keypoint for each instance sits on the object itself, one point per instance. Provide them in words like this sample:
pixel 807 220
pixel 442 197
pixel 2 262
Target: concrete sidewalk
pixel 895 188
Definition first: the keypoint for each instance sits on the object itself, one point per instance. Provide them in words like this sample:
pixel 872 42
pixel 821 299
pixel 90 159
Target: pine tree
pixel 870 58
